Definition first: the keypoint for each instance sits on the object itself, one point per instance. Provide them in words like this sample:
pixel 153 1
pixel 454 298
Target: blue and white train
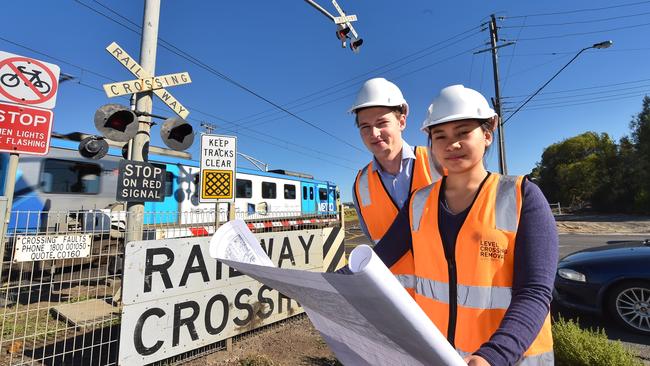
pixel 64 181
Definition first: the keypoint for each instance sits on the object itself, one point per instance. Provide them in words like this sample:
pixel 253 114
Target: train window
pixel 311 193
pixel 244 188
pixel 304 192
pixel 169 184
pixel 64 176
pixel 289 192
pixel 322 194
pixel 268 190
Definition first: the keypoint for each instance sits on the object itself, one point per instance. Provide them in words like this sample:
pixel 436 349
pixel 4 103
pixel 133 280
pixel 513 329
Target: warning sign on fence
pixel 47 247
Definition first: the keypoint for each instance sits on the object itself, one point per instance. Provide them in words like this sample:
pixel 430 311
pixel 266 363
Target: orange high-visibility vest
pixel 379 210
pixel 484 265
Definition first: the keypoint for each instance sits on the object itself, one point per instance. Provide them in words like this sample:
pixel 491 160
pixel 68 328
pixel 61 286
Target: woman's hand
pixel 473 360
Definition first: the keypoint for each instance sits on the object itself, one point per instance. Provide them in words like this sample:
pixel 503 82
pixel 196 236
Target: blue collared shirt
pixel 398 185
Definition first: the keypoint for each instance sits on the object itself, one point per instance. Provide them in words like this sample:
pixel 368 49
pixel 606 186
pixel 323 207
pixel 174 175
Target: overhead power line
pixel 401 62
pixel 585 33
pixel 574 22
pixel 170 47
pixel 588 101
pixel 579 10
pixel 566 98
pixel 578 89
pixel 89 86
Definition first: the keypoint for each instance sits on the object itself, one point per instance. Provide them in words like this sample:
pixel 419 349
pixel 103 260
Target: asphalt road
pixel 569 243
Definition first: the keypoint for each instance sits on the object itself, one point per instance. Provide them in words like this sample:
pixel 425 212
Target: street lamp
pixel 601 45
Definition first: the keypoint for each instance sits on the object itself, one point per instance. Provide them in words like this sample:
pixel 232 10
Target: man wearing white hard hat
pixel 484 246
pixel 383 186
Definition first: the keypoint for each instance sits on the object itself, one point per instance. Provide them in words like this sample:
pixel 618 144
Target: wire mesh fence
pixel 61 278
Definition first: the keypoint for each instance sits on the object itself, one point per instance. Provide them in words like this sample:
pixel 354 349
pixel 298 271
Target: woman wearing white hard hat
pixel 484 245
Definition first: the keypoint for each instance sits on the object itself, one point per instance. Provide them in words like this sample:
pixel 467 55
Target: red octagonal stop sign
pixel 25 130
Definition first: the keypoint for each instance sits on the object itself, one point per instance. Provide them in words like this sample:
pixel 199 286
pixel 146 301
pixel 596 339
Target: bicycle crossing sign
pixel 218 163
pixel 28 81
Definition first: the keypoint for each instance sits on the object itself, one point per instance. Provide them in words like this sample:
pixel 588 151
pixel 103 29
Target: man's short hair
pixel 397 110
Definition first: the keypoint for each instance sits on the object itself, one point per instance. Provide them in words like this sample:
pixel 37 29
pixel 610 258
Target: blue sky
pixel 286 52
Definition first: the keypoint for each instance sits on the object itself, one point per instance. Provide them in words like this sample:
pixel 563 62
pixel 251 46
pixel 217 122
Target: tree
pixel 574 170
pixel 640 126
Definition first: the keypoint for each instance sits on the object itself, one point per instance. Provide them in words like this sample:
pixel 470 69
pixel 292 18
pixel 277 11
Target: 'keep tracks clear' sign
pixel 218 164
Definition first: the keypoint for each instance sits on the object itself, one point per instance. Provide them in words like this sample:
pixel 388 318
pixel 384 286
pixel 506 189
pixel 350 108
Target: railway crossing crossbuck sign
pixel 145 81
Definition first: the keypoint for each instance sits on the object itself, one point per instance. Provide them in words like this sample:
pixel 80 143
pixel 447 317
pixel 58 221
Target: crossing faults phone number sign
pixel 46 247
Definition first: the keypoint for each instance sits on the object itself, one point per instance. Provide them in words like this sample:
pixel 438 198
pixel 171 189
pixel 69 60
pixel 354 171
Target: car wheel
pixel 629 304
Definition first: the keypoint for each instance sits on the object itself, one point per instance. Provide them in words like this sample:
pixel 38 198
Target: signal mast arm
pixel 343 25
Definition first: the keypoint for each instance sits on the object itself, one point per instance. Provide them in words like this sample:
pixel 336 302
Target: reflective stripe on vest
pixel 478 297
pixel 364 190
pixel 418 201
pixel 505 206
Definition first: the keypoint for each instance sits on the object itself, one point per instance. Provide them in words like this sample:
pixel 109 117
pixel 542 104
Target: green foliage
pixel 574 346
pixel 573 170
pixel 591 170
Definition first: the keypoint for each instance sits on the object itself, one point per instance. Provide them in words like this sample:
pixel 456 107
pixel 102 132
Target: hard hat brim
pixel 355 108
pixel 457 117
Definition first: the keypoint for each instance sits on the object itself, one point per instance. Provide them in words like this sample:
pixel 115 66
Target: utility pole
pixel 208 127
pixel 148 46
pixel 496 101
pixel 503 168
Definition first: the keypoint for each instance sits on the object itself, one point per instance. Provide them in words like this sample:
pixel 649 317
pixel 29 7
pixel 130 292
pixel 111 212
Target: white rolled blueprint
pixel 367 317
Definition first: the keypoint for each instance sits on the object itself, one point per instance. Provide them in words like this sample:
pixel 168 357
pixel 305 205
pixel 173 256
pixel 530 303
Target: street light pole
pixel 601 45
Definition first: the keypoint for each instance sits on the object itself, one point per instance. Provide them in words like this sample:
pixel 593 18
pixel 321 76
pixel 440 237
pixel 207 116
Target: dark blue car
pixel 609 280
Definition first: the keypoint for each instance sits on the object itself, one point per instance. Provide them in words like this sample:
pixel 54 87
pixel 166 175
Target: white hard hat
pixel 379 92
pixel 456 103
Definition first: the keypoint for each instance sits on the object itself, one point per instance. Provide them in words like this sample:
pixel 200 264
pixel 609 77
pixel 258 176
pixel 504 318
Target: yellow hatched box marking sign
pixel 217 184
pixel 218 165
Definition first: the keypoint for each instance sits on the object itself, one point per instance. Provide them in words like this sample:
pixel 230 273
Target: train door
pixel 331 198
pixel 165 212
pixel 322 198
pixel 308 197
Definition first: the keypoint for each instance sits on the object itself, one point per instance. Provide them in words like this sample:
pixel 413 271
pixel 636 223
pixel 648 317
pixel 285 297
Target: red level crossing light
pixel 342 33
pixel 354 46
pixel 177 134
pixel 116 122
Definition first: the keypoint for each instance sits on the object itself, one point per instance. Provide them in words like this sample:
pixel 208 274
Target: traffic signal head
pixel 354 46
pixel 342 32
pixel 177 134
pixel 93 147
pixel 116 122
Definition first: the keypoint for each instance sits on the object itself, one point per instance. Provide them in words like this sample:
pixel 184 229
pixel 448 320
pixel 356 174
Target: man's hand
pixel 474 360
